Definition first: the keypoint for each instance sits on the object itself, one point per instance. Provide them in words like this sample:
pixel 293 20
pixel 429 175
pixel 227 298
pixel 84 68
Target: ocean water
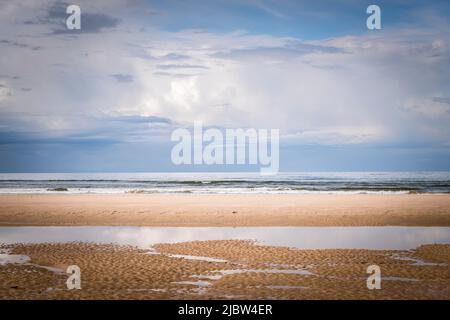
pixel 226 183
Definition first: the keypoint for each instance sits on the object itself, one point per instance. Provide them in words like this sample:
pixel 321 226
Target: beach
pixel 201 210
pixel 234 270
pixel 169 262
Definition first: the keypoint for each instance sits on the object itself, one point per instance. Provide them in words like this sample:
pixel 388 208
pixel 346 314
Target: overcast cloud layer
pixel 139 69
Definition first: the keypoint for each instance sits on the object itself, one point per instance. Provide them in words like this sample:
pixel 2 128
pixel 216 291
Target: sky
pixel 107 97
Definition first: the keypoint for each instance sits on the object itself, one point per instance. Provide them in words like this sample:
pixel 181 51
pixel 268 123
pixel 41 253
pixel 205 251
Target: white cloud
pixel 371 88
pixel 428 108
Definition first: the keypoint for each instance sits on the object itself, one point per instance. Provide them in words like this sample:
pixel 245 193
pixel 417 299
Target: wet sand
pixel 225 210
pixel 237 270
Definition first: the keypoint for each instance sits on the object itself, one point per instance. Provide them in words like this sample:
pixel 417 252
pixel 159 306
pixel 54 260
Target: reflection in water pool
pixel 398 238
pixel 7 258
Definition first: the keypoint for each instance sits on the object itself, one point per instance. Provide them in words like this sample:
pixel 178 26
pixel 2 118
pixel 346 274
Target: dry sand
pixel 251 272
pixel 225 210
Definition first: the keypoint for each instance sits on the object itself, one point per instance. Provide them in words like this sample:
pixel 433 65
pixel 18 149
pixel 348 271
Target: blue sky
pixel 301 19
pixel 107 97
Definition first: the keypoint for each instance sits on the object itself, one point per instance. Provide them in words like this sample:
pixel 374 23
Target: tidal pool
pixel 376 238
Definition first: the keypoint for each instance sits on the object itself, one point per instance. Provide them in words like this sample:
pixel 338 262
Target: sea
pixel 227 183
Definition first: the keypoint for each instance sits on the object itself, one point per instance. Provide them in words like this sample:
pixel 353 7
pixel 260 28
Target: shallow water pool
pixel 379 238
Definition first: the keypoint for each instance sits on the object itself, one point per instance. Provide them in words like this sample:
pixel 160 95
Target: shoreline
pixel 224 210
